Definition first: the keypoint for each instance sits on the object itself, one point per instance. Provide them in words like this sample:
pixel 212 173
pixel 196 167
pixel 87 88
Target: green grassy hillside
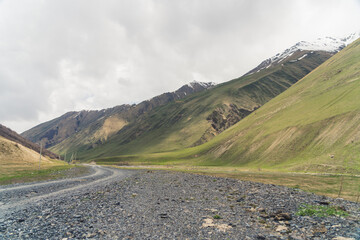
pixel 313 126
pixel 196 119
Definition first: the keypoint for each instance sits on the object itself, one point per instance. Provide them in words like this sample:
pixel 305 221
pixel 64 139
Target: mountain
pixel 18 154
pixel 313 126
pixel 12 136
pixel 328 44
pixel 194 119
pixel 198 118
pixel 99 125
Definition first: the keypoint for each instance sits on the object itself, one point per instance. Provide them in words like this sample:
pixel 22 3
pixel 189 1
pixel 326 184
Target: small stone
pixel 223 227
pixel 336 226
pixel 321 229
pixel 322 202
pixel 213 210
pixel 283 216
pixel 90 235
pixel 262 210
pixel 264 215
pixel 295 236
pixel 281 229
pixel 240 199
pixel 208 222
pixel 252 209
pixel 260 237
pixel 232 225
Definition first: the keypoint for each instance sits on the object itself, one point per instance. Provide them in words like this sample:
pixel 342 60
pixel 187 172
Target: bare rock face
pixel 222 118
pixel 225 117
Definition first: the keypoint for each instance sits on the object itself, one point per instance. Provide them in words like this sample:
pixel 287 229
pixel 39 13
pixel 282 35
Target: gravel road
pixel 119 204
pixel 16 197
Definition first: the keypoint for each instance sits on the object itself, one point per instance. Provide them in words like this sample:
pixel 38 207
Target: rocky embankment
pixel 171 205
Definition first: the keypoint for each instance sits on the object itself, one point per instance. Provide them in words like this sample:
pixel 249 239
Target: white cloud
pixel 57 56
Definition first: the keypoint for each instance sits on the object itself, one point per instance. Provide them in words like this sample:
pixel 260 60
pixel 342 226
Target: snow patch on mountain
pixel 206 85
pixel 302 56
pixel 327 44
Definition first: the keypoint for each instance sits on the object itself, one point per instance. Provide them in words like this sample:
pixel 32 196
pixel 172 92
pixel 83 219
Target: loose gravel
pixel 173 205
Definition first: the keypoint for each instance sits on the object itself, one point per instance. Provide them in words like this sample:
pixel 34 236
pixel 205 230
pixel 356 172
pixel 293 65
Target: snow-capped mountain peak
pixel 327 44
pixel 352 37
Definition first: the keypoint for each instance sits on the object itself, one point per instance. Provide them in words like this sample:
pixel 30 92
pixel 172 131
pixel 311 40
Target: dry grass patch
pixel 17 160
pixel 111 126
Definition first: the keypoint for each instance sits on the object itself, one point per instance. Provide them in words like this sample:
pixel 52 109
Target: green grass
pixel 34 175
pixel 321 211
pixel 217 217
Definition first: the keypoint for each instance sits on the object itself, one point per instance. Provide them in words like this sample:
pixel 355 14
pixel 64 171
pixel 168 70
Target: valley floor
pixel 140 204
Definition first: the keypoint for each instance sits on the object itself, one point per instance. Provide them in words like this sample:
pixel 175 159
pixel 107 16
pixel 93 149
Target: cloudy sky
pixel 63 55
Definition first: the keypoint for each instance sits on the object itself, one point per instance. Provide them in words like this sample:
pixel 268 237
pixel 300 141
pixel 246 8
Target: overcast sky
pixel 65 55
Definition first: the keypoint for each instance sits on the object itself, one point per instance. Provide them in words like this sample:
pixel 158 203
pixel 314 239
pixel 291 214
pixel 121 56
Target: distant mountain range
pixel 188 117
pixel 104 123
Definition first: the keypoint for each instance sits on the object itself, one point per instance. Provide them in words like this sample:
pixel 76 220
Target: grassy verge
pixel 321 211
pixel 322 184
pixel 22 176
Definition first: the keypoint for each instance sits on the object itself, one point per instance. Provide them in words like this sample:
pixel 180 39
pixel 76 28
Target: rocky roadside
pixel 172 205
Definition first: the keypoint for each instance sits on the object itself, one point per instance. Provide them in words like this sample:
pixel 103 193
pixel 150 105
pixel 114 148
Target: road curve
pixel 15 198
pixel 96 171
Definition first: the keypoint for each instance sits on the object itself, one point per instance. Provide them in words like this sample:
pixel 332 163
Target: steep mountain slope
pixel 18 154
pixel 10 135
pixel 313 126
pixel 199 117
pixel 53 132
pixel 99 125
pixel 315 123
